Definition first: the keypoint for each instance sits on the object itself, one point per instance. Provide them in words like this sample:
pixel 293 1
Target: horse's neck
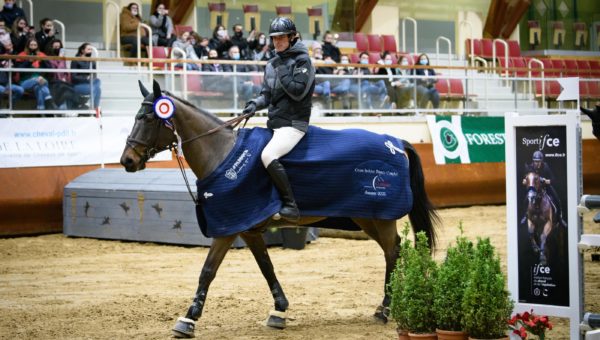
pixel 204 154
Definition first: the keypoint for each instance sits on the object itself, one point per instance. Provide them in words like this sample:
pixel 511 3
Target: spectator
pixel 246 88
pixel 322 85
pixel 341 86
pixel 200 46
pixel 428 81
pixel 20 34
pixel 241 42
pixel 400 88
pixel 217 83
pixel 369 89
pixel 329 49
pixel 45 34
pixel 220 41
pixel 86 83
pixel 259 50
pixel 183 42
pixel 14 91
pixel 10 12
pixel 130 19
pixel 162 26
pixel 34 80
pixel 59 83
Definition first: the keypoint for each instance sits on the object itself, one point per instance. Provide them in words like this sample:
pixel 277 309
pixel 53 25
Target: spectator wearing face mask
pixel 45 34
pixel 86 83
pixel 10 12
pixel 400 88
pixel 220 41
pixel 130 19
pixel 369 89
pixel 183 42
pixel 241 42
pixel 59 83
pixel 246 88
pixel 259 50
pixel 162 26
pixel 341 86
pixel 220 83
pixel 14 90
pixel 428 81
pixel 20 34
pixel 34 81
pixel 329 49
pixel 322 85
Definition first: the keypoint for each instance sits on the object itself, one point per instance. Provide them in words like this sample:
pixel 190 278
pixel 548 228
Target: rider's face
pixel 281 42
pixel 537 164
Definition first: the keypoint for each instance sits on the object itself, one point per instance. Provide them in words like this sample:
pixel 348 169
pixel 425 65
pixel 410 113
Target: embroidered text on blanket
pixel 240 163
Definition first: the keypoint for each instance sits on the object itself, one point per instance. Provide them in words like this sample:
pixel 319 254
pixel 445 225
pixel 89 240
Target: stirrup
pixel 291 214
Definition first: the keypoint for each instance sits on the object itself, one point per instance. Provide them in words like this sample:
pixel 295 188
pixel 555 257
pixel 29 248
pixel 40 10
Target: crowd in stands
pixel 50 90
pixel 64 90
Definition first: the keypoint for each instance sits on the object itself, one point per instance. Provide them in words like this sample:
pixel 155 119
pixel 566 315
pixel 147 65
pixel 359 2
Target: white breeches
pixel 283 141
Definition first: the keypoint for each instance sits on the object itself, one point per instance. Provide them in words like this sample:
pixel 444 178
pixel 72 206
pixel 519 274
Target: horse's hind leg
pixel 385 234
pixel 255 242
pixel 184 328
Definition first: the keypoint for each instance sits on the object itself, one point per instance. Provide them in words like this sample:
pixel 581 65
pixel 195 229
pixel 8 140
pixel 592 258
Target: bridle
pixel 152 148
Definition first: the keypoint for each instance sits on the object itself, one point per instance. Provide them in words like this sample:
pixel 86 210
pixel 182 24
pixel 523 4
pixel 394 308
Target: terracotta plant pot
pixel 402 334
pixel 451 335
pixel 502 338
pixel 423 336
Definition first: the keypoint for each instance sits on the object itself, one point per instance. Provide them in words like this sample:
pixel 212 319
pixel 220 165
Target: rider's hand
pixel 250 109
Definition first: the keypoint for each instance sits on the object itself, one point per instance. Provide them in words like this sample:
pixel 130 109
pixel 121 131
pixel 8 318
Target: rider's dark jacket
pixel 288 86
pixel 543 172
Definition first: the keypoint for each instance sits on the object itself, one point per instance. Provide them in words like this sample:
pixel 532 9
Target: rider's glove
pixel 250 109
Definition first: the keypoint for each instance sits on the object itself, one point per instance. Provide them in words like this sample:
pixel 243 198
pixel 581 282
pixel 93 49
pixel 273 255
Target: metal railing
pixel 472 44
pixel 414 22
pixel 110 3
pixel 139 45
pixel 505 73
pixel 539 62
pixel 181 52
pixel 62 31
pixel 437 49
pixel 30 9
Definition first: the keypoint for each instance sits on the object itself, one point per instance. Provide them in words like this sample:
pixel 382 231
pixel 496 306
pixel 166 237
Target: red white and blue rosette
pixel 164 108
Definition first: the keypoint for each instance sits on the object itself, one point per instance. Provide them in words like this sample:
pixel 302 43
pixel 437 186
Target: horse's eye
pixel 140 113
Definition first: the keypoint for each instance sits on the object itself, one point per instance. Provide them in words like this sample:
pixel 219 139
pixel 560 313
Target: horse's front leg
pixel 531 231
pixel 543 238
pixel 256 243
pixel 184 328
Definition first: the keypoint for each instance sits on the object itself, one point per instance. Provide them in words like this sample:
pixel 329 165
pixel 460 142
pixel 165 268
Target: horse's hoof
pixel 276 319
pixel 184 328
pixel 382 314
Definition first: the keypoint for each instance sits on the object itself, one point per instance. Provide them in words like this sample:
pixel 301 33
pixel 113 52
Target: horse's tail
pixel 423 216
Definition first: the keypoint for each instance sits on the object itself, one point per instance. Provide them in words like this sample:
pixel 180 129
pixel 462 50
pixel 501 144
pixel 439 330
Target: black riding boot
pixel 289 210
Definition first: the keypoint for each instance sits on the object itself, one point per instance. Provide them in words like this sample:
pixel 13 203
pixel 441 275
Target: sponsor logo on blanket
pixel 378 184
pixel 240 163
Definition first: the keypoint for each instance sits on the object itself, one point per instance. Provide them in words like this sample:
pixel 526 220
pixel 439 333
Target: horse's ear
pixel 156 88
pixel 143 89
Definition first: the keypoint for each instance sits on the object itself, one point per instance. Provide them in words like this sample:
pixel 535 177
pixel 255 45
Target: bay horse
pixel 206 141
pixel 540 215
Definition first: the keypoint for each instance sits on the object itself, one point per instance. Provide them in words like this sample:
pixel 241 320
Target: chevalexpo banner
pixel 32 142
pixel 459 139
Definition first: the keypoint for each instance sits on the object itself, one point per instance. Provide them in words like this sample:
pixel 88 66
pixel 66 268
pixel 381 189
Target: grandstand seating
pixel 182 28
pixel 362 44
pixel 160 52
pixel 389 43
pixel 375 44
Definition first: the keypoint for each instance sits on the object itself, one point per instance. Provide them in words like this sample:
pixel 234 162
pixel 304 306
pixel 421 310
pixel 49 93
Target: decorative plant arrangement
pixel 449 287
pixel 528 322
pixel 397 310
pixel 486 304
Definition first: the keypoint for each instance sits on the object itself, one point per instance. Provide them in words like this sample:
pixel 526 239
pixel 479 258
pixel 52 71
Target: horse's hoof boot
pixel 382 314
pixel 184 328
pixel 276 319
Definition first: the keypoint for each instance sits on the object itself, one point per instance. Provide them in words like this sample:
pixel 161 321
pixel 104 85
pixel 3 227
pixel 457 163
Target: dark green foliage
pixel 486 304
pixel 412 288
pixel 450 284
pixel 397 310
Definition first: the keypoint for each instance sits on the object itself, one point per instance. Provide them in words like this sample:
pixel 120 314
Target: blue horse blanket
pixel 336 174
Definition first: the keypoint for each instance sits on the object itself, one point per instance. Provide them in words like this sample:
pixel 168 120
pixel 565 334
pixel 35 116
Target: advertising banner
pixel 32 142
pixel 459 139
pixel 541 167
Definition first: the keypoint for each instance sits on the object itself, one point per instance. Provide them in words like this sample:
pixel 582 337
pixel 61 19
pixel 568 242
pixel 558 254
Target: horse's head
pixel 149 135
pixel 532 183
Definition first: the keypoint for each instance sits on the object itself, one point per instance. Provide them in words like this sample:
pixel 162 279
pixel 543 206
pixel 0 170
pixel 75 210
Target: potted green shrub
pixel 449 287
pixel 397 310
pixel 486 303
pixel 417 290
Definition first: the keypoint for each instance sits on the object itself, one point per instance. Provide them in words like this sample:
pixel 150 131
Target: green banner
pixel 458 139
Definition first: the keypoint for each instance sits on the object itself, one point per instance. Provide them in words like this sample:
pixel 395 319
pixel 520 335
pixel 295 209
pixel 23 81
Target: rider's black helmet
pixel 538 156
pixel 282 26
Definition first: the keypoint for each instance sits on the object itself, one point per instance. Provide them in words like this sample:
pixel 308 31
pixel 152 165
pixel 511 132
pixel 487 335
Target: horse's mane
pixel 212 116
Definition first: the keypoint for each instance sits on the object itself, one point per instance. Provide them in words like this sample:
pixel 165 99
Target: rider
pixel 289 82
pixel 547 178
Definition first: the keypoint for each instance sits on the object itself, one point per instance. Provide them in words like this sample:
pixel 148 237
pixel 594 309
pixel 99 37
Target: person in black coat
pixel 10 12
pixel 329 49
pixel 45 34
pixel 20 34
pixel 595 117
pixel 221 42
pixel 287 90
pixel 429 81
pixel 86 83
